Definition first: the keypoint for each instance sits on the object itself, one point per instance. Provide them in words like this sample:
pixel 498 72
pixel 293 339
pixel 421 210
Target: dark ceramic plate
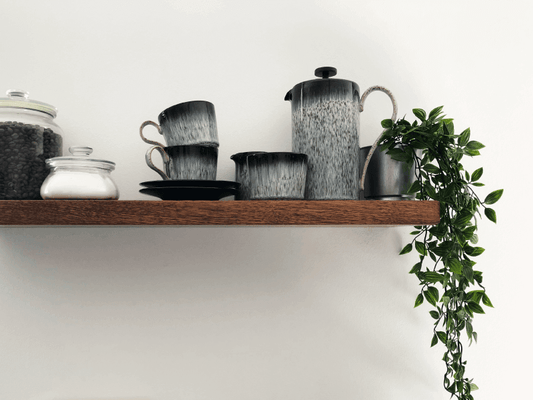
pixel 189 193
pixel 192 183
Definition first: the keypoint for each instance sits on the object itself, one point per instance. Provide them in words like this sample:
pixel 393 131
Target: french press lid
pixel 325 86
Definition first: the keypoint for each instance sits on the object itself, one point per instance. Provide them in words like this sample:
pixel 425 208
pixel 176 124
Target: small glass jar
pixel 28 136
pixel 79 177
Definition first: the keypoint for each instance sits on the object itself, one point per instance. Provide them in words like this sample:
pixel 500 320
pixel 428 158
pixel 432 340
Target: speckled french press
pixel 325 126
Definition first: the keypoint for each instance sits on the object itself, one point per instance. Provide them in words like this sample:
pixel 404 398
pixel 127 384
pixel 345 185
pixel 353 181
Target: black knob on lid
pixel 325 72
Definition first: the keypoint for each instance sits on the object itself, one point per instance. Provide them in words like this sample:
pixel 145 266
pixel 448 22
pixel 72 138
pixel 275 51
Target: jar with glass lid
pixel 78 177
pixel 28 136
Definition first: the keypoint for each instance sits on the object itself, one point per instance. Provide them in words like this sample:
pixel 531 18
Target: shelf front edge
pixel 218 213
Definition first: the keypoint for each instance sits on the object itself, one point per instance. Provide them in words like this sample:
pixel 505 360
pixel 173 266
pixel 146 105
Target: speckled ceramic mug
pixel 188 123
pixel 277 176
pixel 186 162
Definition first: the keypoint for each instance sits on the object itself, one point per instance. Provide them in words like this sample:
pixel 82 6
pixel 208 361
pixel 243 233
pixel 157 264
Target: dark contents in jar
pixel 23 151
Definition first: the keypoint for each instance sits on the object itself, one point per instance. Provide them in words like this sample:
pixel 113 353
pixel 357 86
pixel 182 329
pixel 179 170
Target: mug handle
pixel 393 118
pixel 146 123
pixel 164 155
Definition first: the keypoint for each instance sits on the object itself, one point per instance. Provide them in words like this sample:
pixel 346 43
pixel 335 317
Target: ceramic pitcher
pixel 325 126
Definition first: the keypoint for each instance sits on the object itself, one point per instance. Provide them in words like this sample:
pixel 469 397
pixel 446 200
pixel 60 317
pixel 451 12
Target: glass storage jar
pixel 78 177
pixel 28 136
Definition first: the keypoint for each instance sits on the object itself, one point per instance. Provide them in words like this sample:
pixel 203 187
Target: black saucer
pixel 189 193
pixel 192 183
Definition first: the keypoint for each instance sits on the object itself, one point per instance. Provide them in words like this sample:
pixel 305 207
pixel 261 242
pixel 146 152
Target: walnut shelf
pixel 217 213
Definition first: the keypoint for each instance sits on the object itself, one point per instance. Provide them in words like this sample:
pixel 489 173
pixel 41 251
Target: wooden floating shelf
pixel 217 213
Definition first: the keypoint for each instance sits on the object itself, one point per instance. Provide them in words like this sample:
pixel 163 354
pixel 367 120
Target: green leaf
pixel 468 272
pixel 433 277
pixel 435 112
pixel 469 232
pixel 434 314
pixel 487 301
pixel 421 248
pixel 477 174
pixel 430 191
pixel 463 217
pixel 474 145
pixel 387 123
pixel 419 300
pixel 493 197
pixel 434 340
pixel 432 169
pixel 448 127
pixel 491 214
pixel 455 266
pixel 464 137
pixel 474 307
pixel 472 153
pixel 475 296
pixel 469 329
pixel 474 251
pixel 407 249
pixel 473 386
pixel 432 295
pixel 420 114
pixel 414 188
pixel 442 336
pixel 400 156
pixel 416 268
pixel 478 184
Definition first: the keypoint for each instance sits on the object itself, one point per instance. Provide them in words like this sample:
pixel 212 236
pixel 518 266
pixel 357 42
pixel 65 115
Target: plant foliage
pixel 446 269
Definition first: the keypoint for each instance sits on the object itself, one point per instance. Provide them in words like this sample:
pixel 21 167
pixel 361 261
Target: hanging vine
pixel 449 279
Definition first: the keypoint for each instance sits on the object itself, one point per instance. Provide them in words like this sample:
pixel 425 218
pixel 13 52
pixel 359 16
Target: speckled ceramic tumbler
pixel 277 176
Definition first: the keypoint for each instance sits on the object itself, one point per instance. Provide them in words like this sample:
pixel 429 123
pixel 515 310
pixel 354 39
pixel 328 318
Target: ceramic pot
pixel 386 178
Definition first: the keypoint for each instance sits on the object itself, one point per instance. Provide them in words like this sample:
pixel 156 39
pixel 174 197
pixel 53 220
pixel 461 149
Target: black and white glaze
pixel 328 132
pixel 241 173
pixel 326 126
pixel 277 176
pixel 189 123
pixel 192 162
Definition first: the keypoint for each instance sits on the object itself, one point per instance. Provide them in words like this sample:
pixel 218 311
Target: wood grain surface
pixel 244 213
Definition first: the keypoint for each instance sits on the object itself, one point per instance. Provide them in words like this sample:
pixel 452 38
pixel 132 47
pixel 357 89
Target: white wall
pixel 257 313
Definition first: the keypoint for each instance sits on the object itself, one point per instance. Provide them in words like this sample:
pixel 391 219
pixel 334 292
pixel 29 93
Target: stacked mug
pixel 190 133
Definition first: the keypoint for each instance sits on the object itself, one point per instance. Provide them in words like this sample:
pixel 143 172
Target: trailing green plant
pixel 449 279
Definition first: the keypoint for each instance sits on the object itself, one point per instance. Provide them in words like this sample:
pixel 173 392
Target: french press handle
pixel 393 118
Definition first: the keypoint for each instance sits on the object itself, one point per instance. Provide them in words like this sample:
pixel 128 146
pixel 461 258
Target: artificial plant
pixel 446 269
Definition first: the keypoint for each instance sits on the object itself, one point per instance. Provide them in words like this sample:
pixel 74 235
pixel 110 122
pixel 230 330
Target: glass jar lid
pixel 80 159
pixel 20 99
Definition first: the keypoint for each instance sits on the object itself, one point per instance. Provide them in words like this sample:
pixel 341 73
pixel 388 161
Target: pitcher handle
pixel 146 123
pixel 164 155
pixel 393 118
